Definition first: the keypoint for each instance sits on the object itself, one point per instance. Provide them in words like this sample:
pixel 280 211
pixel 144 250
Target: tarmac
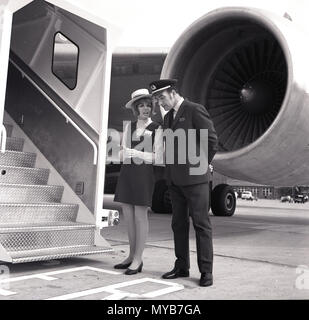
pixel 259 253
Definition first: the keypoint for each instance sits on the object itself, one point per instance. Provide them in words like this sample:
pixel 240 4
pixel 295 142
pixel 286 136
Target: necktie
pixel 171 117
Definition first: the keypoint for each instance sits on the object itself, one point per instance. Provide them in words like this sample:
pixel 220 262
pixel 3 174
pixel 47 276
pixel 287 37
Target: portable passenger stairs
pixel 34 224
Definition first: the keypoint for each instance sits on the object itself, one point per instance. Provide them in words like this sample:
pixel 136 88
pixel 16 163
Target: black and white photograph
pixel 154 156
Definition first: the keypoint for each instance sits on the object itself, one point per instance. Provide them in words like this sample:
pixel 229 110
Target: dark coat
pixel 190 116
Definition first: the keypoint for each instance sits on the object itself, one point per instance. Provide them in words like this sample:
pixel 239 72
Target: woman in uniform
pixel 141 148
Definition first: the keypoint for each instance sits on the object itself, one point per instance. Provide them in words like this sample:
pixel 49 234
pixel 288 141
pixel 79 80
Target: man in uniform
pixel 189 192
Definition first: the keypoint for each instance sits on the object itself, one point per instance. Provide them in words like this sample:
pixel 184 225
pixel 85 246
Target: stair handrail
pixel 3 138
pixel 63 113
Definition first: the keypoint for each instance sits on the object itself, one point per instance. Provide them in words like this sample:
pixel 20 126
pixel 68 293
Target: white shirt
pixel 176 108
pixel 141 125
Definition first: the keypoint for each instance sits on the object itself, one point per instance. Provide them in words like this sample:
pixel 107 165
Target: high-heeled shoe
pixel 122 265
pixel 134 271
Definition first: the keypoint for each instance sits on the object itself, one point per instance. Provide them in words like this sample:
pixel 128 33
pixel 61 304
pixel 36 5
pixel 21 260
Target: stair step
pixel 23 193
pixel 18 159
pixel 56 253
pixel 32 238
pixel 48 226
pixel 23 175
pixel 39 212
pixel 14 144
pixel 34 225
pixel 9 129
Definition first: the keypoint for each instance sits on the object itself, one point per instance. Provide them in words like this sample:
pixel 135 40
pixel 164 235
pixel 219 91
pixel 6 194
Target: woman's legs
pixel 141 232
pixel 128 213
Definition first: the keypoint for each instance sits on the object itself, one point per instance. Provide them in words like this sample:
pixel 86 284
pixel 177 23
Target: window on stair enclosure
pixel 65 60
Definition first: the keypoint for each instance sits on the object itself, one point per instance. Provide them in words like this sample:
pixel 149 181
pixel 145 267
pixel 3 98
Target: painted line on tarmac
pixel 173 288
pixel 6 293
pixel 47 276
pixel 113 290
pixel 117 294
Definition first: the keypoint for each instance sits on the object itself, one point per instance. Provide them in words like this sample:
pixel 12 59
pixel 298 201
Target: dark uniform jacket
pixel 190 116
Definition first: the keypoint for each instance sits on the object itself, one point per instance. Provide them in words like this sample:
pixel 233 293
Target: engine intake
pixel 246 90
pixel 247 66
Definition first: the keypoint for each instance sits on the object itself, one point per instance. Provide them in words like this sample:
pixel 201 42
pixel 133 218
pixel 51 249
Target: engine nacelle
pixel 250 68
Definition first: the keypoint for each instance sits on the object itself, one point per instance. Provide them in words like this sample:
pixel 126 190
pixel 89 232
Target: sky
pixel 159 23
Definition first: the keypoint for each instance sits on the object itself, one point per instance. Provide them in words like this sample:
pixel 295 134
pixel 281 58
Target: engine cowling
pixel 250 69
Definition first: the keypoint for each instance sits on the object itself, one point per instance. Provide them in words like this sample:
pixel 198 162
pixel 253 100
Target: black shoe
pixel 134 271
pixel 206 279
pixel 176 273
pixel 122 265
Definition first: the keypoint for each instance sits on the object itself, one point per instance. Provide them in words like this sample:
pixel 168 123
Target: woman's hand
pixel 129 153
pixel 132 153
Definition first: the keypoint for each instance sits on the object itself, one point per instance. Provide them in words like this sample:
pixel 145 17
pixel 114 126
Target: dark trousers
pixel 192 201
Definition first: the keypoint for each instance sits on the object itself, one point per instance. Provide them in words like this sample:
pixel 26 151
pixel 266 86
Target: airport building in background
pixel 265 191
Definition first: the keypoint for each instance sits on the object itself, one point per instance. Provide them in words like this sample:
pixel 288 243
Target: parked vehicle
pixel 286 199
pixel 300 198
pixel 247 195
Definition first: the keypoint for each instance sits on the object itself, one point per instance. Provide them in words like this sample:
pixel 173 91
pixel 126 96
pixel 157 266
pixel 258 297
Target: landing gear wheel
pixel 223 200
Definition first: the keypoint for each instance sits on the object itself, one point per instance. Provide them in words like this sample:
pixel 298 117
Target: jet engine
pixel 250 68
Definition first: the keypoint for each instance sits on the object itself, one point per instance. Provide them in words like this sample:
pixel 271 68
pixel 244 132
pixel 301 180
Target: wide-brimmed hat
pixel 137 95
